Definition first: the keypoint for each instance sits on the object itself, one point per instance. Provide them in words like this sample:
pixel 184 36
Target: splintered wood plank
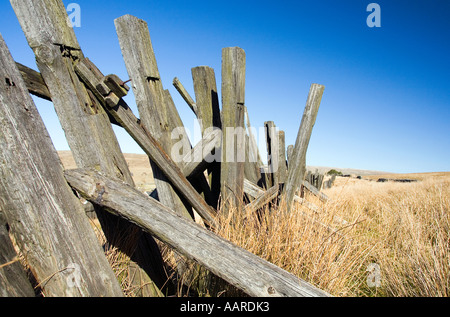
pixel 297 162
pixel 244 270
pixel 233 129
pixel 47 221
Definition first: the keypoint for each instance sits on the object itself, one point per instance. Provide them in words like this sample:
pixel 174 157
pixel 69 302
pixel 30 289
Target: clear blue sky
pixel 387 98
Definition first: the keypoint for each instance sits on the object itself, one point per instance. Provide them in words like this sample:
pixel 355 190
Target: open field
pixel 369 239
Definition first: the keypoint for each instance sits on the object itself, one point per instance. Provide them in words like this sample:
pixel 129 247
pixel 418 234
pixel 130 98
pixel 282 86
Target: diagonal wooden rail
pixel 244 270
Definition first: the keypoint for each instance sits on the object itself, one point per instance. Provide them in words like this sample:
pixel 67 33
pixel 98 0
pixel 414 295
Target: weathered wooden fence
pixel 40 211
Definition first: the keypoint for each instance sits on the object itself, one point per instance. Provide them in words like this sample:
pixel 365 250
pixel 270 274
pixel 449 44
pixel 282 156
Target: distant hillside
pixel 345 171
pixel 140 166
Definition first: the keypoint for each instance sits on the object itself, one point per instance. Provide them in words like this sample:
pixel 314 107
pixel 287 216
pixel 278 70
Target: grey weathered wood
pixel 208 115
pixel 207 100
pixel 239 267
pixel 154 108
pixel 123 114
pixel 34 81
pixel 45 218
pixel 85 123
pixel 255 191
pixel 88 130
pixel 272 152
pixel 233 130
pixel 251 170
pixel 315 191
pixel 185 95
pixel 282 165
pixel 252 189
pixel 196 161
pixel 254 161
pixel 263 198
pixel 290 150
pixel 13 279
pixel 297 167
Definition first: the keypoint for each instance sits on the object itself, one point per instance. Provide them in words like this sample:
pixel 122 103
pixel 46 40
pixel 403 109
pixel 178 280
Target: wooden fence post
pixel 87 127
pixel 208 114
pixel 46 219
pixel 151 99
pixel 254 156
pixel 297 163
pixel 282 165
pixel 233 130
pixel 272 153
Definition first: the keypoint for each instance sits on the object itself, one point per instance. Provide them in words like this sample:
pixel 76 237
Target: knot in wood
pixel 271 290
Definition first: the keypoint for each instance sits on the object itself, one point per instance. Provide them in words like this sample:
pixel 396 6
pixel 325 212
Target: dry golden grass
pixel 402 228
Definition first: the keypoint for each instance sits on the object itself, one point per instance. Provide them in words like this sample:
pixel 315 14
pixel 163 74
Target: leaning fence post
pixel 297 161
pixel 233 130
pixel 208 114
pixel 87 127
pixel 46 219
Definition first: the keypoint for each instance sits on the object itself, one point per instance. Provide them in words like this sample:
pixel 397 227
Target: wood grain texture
pixel 155 110
pixel 34 81
pixel 46 219
pixel 251 274
pixel 282 162
pixel 124 115
pixel 208 115
pixel 87 128
pixel 297 163
pixel 233 129
pixel 13 279
pixel 85 123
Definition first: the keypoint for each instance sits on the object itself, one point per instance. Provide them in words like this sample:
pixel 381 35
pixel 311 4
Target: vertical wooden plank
pixel 282 165
pixel 233 132
pixel 207 100
pixel 86 126
pixel 296 171
pixel 272 153
pixel 208 115
pixel 46 219
pixel 151 100
pixel 254 155
pixel 251 169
